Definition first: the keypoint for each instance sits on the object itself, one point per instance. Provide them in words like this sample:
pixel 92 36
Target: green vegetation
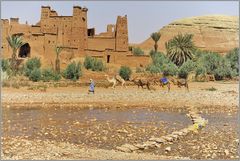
pixel 138 51
pixel 180 48
pixel 161 64
pixel 125 72
pixel 155 36
pixel 48 74
pixel 233 57
pixel 211 89
pixel 5 65
pixel 94 64
pixel 15 42
pixel 186 68
pixel 31 64
pixel 35 75
pixel 73 71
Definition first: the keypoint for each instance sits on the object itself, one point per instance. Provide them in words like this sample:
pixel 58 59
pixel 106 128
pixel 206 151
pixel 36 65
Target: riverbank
pixel 205 96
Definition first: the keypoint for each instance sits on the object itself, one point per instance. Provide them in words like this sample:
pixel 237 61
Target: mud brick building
pixel 73 34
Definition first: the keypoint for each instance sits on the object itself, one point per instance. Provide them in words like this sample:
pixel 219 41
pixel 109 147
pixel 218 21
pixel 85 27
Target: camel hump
pixel 119 78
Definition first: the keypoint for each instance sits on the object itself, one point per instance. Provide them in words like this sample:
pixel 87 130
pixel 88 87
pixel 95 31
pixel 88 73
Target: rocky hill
pixel 217 33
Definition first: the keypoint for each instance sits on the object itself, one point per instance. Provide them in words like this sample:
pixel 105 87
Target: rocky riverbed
pixel 75 125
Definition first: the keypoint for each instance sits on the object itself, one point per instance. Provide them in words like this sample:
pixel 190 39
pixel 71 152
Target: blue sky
pixel 144 17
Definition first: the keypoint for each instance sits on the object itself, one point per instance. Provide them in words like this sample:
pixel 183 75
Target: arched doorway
pixel 24 51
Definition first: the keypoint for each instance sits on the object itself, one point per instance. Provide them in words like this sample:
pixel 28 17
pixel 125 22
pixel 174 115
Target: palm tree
pixel 58 50
pixel 155 36
pixel 15 42
pixel 180 48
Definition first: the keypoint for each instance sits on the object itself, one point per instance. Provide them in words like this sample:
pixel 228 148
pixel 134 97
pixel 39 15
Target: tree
pixel 180 48
pixel 155 36
pixel 58 50
pixel 15 42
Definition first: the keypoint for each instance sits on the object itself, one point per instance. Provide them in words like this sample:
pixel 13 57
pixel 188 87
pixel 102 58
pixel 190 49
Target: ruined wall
pixel 121 34
pixel 79 28
pixel 70 32
pixel 98 43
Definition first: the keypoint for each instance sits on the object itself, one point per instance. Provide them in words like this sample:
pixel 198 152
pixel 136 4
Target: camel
pixel 141 82
pixel 180 82
pixel 121 80
pixel 116 79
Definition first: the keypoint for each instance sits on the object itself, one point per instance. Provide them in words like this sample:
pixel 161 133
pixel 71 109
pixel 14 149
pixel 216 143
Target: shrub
pixel 169 69
pixel 93 63
pixel 233 56
pixel 88 62
pixel 153 69
pixel 161 63
pixel 31 64
pixel 97 65
pixel 138 51
pixel 125 72
pixel 49 74
pixel 35 75
pixel 5 65
pixel 186 68
pixel 200 69
pixel 73 71
pixel 216 64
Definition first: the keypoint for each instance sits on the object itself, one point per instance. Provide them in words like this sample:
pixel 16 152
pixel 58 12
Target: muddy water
pixel 38 118
pixel 101 128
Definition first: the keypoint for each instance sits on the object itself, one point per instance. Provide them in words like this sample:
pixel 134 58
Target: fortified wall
pixel 73 34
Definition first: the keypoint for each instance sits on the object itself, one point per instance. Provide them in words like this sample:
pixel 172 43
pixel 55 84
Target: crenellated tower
pixel 121 34
pixel 79 28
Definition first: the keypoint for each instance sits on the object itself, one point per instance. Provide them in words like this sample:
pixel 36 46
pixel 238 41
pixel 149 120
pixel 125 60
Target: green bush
pixel 200 69
pixel 31 64
pixel 138 51
pixel 169 69
pixel 94 64
pixel 125 72
pixel 73 71
pixel 153 69
pixel 186 68
pixel 35 75
pixel 233 57
pixel 216 64
pixel 49 74
pixel 5 64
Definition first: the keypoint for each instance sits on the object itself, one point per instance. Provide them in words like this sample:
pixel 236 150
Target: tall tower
pixel 121 34
pixel 79 28
pixel 45 14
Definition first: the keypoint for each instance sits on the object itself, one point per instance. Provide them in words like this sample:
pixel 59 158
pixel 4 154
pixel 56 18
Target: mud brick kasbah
pixel 73 34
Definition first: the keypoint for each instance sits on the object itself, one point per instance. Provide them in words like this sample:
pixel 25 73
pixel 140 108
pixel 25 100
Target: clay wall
pixel 121 34
pixel 98 43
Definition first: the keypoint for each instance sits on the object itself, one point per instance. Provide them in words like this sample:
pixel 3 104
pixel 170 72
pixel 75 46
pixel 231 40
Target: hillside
pixel 217 33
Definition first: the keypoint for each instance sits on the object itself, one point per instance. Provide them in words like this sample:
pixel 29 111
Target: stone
pixel 139 146
pixel 131 147
pixel 226 152
pixel 123 149
pixel 168 149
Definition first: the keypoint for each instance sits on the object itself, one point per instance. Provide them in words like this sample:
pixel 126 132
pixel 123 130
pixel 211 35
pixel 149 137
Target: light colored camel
pixel 115 79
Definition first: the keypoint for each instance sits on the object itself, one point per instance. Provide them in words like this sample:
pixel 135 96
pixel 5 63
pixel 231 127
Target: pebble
pixel 168 149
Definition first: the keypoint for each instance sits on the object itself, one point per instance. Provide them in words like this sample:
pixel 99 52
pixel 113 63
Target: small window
pixel 49 41
pixel 83 19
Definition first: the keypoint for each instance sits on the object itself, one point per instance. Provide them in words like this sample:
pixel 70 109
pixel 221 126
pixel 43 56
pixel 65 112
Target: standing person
pixel 91 87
